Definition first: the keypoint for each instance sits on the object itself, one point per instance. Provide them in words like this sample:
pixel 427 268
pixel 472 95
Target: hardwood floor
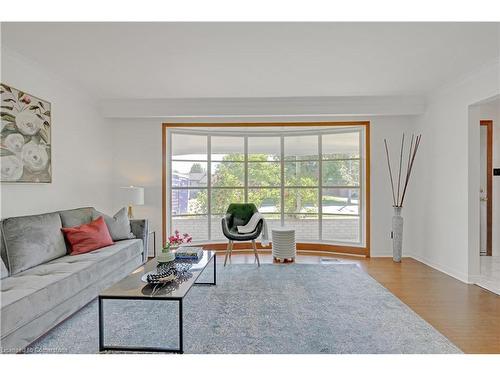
pixel 467 314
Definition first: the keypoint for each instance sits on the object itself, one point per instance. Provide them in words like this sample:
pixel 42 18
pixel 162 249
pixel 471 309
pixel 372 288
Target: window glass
pixel 222 198
pixel 189 201
pixel 341 173
pixel 264 148
pixel 227 148
pixel 264 174
pixel 301 199
pixel 304 173
pixel 304 147
pixel 340 201
pixel 189 147
pixel 341 228
pixel 189 174
pixel 340 145
pixel 196 226
pixel 305 225
pixel 228 174
pixel 266 200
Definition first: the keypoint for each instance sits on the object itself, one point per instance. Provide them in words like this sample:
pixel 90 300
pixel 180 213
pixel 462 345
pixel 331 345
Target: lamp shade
pixel 132 195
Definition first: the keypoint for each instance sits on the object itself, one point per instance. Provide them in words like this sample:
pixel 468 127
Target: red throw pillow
pixel 88 237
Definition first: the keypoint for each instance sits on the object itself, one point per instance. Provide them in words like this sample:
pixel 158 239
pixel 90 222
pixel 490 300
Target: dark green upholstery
pixel 240 214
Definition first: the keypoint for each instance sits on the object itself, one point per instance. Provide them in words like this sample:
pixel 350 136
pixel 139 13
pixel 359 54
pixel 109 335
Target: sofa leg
pixel 228 250
pixel 255 252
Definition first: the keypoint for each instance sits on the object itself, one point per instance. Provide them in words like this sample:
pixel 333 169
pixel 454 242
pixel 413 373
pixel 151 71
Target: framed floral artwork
pixel 25 144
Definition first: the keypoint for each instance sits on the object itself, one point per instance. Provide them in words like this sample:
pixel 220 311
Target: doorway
pixel 486 187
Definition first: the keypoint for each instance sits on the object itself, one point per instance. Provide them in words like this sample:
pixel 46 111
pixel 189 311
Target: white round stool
pixel 283 240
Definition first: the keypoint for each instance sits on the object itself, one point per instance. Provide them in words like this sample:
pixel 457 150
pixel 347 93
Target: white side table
pixel 283 240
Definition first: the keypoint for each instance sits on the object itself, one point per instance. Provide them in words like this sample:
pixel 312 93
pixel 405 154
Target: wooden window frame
pixel 301 246
pixel 489 185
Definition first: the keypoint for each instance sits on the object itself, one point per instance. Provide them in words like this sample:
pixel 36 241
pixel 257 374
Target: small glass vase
pixel 166 254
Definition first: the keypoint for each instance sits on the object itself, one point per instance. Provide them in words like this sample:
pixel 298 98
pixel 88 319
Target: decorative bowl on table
pixel 166 273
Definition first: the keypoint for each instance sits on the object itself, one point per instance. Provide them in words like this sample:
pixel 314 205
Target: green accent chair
pixel 240 214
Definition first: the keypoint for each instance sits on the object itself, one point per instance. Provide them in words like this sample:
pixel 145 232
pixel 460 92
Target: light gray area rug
pixel 295 308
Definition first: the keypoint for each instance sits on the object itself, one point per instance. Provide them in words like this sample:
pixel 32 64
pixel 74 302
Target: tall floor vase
pixel 397 234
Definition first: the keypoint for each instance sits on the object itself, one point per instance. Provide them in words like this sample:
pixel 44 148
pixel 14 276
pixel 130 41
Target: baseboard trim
pixel 488 285
pixel 384 255
pixel 446 270
pixel 467 279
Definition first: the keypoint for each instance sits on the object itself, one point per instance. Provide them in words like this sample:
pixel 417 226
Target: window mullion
pixel 282 178
pixel 209 186
pixel 361 191
pixel 320 189
pixel 245 167
pixel 169 179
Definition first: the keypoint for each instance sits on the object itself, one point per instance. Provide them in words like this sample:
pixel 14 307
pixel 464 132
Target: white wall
pixel 81 152
pixel 137 160
pixel 445 224
pixel 491 111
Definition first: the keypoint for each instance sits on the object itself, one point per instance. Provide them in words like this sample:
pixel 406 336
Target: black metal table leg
pixel 181 328
pixel 215 268
pixel 154 244
pixel 214 259
pixel 101 328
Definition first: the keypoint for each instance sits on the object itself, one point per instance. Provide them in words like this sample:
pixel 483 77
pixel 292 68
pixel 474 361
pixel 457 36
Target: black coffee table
pixel 133 288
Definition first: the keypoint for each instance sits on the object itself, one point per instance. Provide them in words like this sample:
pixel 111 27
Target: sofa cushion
pixel 88 237
pixel 3 251
pixel 32 240
pixel 31 293
pixel 118 225
pixel 4 272
pixel 76 216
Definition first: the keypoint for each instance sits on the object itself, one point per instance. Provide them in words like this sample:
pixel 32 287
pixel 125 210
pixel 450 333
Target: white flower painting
pixel 25 143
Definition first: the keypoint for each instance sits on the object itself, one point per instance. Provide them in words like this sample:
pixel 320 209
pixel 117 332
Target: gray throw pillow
pixel 3 270
pixel 32 240
pixel 76 216
pixel 118 225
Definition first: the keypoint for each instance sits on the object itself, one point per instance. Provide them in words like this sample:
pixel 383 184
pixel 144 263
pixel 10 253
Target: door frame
pixel 489 184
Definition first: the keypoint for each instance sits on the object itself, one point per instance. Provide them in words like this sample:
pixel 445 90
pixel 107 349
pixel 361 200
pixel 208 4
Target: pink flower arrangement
pixel 179 239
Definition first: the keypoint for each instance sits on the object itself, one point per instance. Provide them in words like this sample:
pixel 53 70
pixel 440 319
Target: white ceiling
pixel 189 60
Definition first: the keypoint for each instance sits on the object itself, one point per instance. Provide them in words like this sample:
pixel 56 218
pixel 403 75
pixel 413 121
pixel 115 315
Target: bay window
pixel 310 180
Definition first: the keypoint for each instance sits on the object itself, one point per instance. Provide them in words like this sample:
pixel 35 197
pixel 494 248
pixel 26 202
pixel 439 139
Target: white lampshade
pixel 132 195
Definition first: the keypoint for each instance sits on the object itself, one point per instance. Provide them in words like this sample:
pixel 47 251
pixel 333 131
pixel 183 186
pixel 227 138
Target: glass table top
pixel 132 286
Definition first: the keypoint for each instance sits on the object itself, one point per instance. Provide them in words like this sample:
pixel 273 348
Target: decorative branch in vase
pixel 399 193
